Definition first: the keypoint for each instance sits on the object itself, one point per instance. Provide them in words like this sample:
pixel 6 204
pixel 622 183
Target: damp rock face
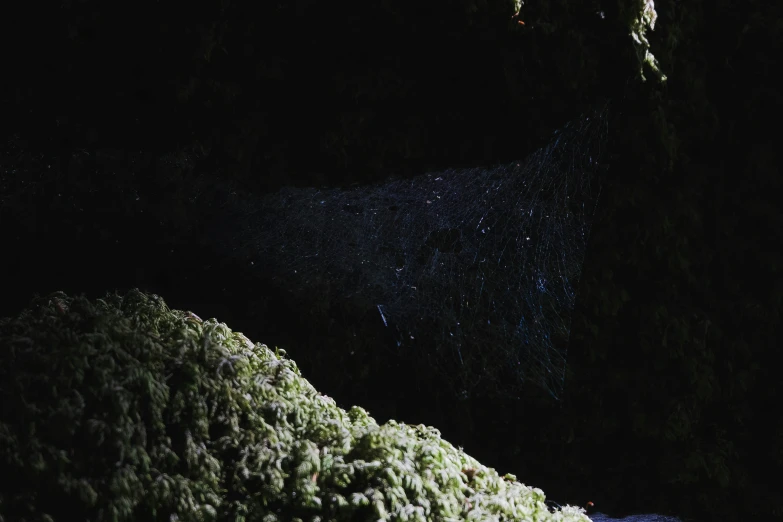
pixel 123 409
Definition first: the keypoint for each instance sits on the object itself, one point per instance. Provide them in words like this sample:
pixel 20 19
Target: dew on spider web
pixel 475 266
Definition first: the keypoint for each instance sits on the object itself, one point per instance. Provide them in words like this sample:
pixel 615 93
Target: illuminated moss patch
pixel 122 409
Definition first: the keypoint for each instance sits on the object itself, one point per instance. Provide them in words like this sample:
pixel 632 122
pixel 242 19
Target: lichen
pixel 122 409
pixel 645 18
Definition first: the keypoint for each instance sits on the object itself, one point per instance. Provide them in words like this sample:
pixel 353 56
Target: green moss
pixel 644 18
pixel 122 409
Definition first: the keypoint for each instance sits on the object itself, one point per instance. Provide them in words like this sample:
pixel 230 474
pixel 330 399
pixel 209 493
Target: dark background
pixel 672 400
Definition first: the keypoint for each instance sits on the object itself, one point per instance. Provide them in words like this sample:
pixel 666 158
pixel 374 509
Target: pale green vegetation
pixel 121 409
pixel 644 18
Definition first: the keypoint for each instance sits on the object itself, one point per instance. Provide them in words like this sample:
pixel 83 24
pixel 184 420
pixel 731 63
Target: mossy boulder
pixel 122 409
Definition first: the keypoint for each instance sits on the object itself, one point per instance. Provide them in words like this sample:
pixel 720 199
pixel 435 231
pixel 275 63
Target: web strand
pixel 475 269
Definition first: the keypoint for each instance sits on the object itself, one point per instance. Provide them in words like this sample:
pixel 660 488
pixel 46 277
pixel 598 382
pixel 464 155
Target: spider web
pixel 473 270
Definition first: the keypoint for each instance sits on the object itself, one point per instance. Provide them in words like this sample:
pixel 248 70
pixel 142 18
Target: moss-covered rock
pixel 122 409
